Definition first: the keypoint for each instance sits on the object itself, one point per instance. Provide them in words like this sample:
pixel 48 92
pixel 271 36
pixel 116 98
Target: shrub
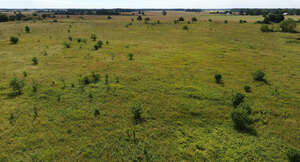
pixel 96 112
pixel 99 44
pixel 89 79
pixel 34 86
pixel 194 19
pixel 34 61
pixel 158 22
pixel 240 118
pixel 185 27
pixel 237 99
pixel 25 74
pixel 3 18
pixel 246 107
pixel 180 19
pixel 147 19
pixel 265 28
pixel 70 38
pixel 109 17
pixel 94 37
pixel 14 40
pixel 288 25
pixel 275 18
pixel 164 12
pixel 139 18
pixel 137 112
pixel 258 75
pixel 130 55
pixel 67 45
pixel 27 29
pixel 209 20
pixel 226 21
pixel 293 155
pixel 218 78
pixel 17 85
pixel 247 89
pixel 106 79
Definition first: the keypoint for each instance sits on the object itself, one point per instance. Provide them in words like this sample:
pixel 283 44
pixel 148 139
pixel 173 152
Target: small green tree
pixel 258 75
pixel 185 27
pixel 34 61
pixel 17 85
pixel 14 40
pixel 27 29
pixel 130 55
pixel 241 118
pixel 237 99
pixel 218 78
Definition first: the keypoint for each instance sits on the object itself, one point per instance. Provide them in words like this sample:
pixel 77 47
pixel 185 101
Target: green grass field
pixel 186 114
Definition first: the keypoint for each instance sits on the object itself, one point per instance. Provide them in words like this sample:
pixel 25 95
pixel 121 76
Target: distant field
pixel 186 114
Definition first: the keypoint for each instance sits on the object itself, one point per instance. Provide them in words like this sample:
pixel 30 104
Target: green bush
pixel 139 18
pixel 247 89
pixel 94 37
pixel 67 45
pixel 209 20
pixel 34 61
pixel 240 118
pixel 185 27
pixel 17 85
pixel 180 19
pixel 27 29
pixel 265 28
pixel 89 79
pixel 194 19
pixel 137 112
pixel 14 40
pixel 70 38
pixel 96 112
pixel 258 75
pixel 237 99
pixel 226 21
pixel 109 17
pixel 288 25
pixel 130 55
pixel 218 78
pixel 293 155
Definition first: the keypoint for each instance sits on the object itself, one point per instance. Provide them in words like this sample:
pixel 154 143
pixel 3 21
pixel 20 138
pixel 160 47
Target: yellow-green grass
pixel 186 114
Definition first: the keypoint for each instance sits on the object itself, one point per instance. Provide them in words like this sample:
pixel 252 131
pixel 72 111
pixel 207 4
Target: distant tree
pixel 14 40
pixel 194 19
pixel 288 25
pixel 164 12
pixel 27 29
pixel 139 18
pixel 3 18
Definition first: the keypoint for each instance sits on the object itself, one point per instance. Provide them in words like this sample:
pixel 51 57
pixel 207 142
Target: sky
pixel 149 3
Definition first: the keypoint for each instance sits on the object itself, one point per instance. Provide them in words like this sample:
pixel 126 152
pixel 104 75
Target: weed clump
pixel 89 79
pixel 258 75
pixel 238 99
pixel 14 40
pixel 67 45
pixel 137 112
pixel 293 155
pixel 34 61
pixel 96 112
pixel 247 89
pixel 218 78
pixel 27 29
pixel 94 37
pixel 17 85
pixel 130 55
pixel 185 27
pixel 98 45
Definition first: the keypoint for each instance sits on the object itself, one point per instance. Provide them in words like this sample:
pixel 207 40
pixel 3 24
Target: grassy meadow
pixel 185 113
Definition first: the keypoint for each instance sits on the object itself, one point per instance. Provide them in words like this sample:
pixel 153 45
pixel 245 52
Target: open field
pixel 186 115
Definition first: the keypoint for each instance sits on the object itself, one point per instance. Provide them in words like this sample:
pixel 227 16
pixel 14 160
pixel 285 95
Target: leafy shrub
pixel 27 29
pixel 34 61
pixel 130 55
pixel 96 112
pixel 185 27
pixel 137 112
pixel 180 19
pixel 14 40
pixel 89 79
pixel 265 28
pixel 241 118
pixel 109 17
pixel 194 19
pixel 258 75
pixel 164 12
pixel 288 25
pixel 293 155
pixel 25 74
pixel 209 20
pixel 106 79
pixel 94 37
pixel 246 107
pixel 139 18
pixel 67 45
pixel 70 38
pixel 275 18
pixel 17 86
pixel 237 99
pixel 147 19
pixel 218 78
pixel 226 21
pixel 247 89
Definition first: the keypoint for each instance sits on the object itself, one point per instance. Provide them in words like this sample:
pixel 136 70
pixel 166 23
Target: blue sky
pixel 150 4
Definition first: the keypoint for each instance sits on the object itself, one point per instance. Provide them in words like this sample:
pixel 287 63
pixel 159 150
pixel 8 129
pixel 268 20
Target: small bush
pixel 130 55
pixel 27 29
pixel 89 79
pixel 137 112
pixel 293 155
pixel 258 75
pixel 218 78
pixel 139 18
pixel 288 25
pixel 96 112
pixel 109 17
pixel 209 20
pixel 194 19
pixel 180 19
pixel 241 118
pixel 265 28
pixel 70 38
pixel 25 74
pixel 247 89
pixel 14 40
pixel 185 27
pixel 67 45
pixel 17 86
pixel 34 61
pixel 226 21
pixel 106 79
pixel 94 37
pixel 237 99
